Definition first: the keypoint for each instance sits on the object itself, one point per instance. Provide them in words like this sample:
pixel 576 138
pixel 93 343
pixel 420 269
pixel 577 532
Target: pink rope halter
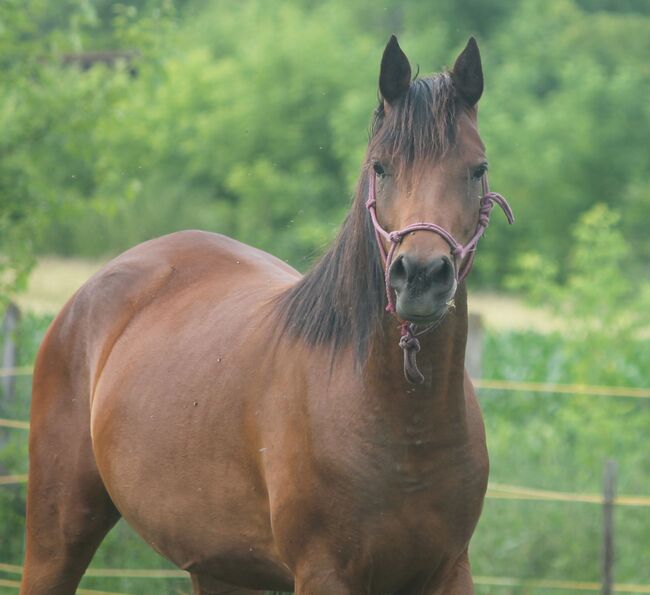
pixel 463 260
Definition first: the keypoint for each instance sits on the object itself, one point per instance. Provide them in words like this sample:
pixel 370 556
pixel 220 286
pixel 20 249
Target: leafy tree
pixel 554 131
pixel 608 310
pixel 249 118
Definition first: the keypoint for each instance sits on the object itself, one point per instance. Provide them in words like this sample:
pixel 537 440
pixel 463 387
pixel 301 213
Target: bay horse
pixel 264 430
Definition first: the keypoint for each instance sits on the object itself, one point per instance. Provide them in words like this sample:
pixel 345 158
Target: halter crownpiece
pixel 463 260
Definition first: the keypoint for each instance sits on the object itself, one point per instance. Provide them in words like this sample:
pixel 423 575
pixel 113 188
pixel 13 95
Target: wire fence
pixel 496 491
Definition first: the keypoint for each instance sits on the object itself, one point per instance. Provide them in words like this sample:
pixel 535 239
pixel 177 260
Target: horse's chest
pixel 433 502
pixel 403 515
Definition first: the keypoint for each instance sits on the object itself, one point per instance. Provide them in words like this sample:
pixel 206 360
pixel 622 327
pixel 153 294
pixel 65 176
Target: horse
pixel 263 430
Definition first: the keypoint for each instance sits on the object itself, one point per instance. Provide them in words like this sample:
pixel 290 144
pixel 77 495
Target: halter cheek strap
pixel 463 261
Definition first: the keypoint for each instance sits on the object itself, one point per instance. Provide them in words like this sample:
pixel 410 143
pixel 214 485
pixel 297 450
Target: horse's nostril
pixel 398 274
pixel 441 271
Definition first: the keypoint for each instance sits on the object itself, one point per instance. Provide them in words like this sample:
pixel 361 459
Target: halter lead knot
pixel 410 346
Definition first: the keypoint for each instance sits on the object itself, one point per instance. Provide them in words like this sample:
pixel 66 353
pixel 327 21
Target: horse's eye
pixel 478 172
pixel 379 169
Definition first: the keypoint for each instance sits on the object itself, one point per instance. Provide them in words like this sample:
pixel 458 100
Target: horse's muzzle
pixel 423 289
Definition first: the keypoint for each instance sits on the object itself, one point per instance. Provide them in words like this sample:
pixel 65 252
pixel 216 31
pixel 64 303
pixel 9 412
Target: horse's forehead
pixel 467 150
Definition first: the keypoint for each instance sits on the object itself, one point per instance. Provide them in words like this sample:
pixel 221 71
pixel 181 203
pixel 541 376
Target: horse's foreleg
pixel 68 509
pixel 206 585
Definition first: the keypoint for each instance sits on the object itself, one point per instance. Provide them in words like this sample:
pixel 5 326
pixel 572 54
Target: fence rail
pixel 505 581
pixel 566 389
pixel 14 423
pixel 20 371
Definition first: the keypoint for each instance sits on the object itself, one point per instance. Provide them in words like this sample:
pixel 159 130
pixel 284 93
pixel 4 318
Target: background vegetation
pixel 250 118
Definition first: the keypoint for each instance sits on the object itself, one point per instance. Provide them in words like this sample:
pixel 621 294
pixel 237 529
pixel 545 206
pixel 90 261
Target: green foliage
pixel 249 118
pixel 13 442
pixel 561 442
pixel 553 126
pixel 609 311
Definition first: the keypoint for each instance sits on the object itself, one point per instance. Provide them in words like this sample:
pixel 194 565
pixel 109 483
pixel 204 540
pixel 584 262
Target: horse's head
pixel 428 161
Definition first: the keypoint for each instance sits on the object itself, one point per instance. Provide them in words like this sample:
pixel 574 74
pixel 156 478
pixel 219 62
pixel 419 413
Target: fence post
pixel 474 348
pixel 609 494
pixel 9 349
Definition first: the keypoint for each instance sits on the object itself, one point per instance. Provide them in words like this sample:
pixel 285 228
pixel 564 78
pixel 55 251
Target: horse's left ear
pixel 468 74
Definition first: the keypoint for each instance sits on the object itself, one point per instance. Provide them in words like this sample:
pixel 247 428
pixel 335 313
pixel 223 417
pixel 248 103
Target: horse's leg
pixel 206 585
pixel 68 509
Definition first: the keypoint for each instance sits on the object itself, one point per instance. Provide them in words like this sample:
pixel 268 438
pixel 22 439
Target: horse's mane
pixel 342 300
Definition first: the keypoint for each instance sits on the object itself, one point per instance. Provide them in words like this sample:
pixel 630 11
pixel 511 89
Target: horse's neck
pixel 440 400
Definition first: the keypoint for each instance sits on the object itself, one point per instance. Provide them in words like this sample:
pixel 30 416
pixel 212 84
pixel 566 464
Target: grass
pixel 53 282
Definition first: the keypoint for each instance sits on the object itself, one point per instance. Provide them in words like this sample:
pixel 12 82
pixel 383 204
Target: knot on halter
pixel 484 211
pixel 395 237
pixel 410 345
pixel 371 202
pixel 408 341
pixel 458 252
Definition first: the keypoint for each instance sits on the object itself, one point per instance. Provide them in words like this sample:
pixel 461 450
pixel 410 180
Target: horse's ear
pixel 395 73
pixel 468 73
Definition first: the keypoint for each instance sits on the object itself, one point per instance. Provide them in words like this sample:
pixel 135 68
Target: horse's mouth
pixel 436 315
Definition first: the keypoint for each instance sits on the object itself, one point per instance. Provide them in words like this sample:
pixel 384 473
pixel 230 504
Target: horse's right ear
pixel 468 74
pixel 395 73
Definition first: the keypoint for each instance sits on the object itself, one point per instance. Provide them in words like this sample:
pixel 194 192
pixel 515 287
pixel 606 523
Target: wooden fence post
pixel 474 348
pixel 609 494
pixel 9 350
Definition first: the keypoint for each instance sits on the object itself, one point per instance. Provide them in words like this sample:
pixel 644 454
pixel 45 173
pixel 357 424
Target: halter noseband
pixel 463 260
